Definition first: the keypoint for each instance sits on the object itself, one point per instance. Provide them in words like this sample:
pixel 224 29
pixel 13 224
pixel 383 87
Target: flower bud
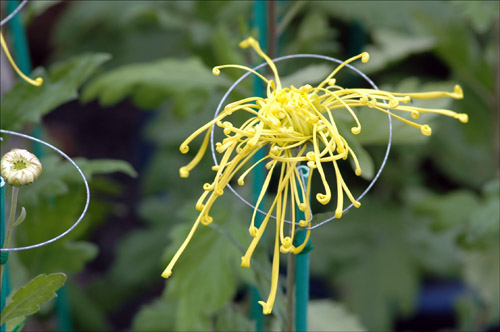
pixel 20 167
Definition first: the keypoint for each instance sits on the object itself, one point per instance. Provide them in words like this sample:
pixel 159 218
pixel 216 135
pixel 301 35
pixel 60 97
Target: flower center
pixel 20 164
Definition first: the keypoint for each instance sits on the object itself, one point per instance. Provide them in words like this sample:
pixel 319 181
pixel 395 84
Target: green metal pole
pixel 259 90
pixel 302 270
pixel 5 287
pixel 22 56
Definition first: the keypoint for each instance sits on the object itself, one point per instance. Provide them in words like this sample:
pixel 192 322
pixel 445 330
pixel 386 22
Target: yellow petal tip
pixel 183 172
pixel 426 130
pixel 462 117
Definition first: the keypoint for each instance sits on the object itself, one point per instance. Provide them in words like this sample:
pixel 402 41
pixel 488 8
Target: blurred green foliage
pixel 433 214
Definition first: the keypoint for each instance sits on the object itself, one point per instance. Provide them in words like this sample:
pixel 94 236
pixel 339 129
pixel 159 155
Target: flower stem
pixel 10 225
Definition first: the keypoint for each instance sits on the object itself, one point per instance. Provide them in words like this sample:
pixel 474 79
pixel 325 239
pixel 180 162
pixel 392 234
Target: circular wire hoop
pixel 11 15
pixel 296 56
pixel 84 181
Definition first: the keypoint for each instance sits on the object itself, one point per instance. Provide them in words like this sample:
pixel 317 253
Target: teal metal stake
pixel 259 90
pixel 4 255
pixel 22 55
pixel 302 269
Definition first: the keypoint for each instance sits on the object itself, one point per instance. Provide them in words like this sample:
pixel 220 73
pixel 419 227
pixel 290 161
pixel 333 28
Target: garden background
pixel 128 81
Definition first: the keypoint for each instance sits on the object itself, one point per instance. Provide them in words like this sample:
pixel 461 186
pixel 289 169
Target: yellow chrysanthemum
pixel 295 125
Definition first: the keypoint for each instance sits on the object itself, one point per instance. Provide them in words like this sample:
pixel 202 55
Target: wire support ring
pixel 296 56
pixel 87 202
pixel 14 13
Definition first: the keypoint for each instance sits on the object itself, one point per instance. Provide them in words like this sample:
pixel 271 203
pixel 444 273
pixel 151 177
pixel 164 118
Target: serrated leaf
pixel 150 84
pixel 25 103
pixel 27 300
pixel 327 315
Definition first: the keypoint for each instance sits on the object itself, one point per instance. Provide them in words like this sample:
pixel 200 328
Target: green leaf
pixel 25 103
pixel 369 254
pixel 15 324
pixel 87 314
pixel 327 315
pixel 67 256
pixel 205 277
pixel 156 316
pixel 392 46
pixel 232 320
pixel 21 217
pixel 482 272
pixel 451 210
pixel 105 166
pixel 375 124
pixel 27 300
pixel 309 75
pixel 481 14
pixel 151 84
pixel 142 250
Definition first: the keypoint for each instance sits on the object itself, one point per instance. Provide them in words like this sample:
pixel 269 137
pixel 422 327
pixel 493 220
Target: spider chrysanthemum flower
pixel 20 167
pixel 295 125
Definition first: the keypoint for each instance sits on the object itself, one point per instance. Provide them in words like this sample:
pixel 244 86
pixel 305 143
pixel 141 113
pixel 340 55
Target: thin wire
pixel 84 181
pixel 11 15
pixel 295 56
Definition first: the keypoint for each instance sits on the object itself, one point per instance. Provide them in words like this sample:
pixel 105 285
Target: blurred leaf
pixel 450 210
pixel 375 127
pixel 104 166
pixel 482 273
pixel 314 35
pixel 204 279
pixel 232 320
pixel 381 14
pixel 480 13
pixel 86 313
pixel 138 258
pixel 15 324
pixel 27 300
pixel 483 227
pixel 25 103
pixel 309 75
pixel 327 315
pixel 363 247
pixel 36 8
pixel 156 316
pixel 67 256
pixel 150 84
pixel 391 46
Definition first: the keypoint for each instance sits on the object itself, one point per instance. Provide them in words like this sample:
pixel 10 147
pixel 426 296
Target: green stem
pixel 10 225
